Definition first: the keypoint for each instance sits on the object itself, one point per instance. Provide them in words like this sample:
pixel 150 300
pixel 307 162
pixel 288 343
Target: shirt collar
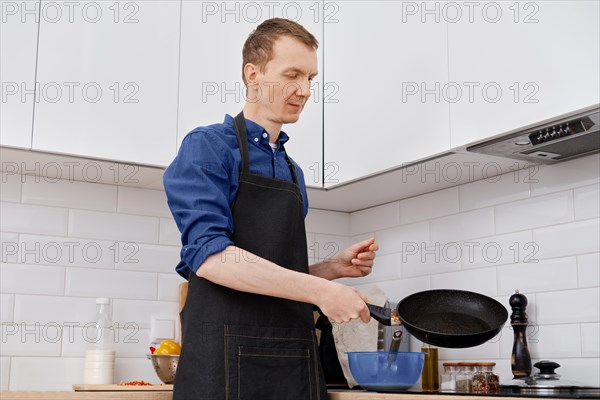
pixel 255 131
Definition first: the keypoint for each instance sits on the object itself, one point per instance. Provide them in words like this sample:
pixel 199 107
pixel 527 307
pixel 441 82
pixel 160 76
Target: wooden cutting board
pixel 120 388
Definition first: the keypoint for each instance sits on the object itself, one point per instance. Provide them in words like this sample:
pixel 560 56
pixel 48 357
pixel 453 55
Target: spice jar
pixel 449 377
pixel 484 378
pixel 464 378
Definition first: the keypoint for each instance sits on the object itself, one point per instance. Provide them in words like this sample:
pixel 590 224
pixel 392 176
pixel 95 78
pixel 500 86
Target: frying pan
pixel 445 317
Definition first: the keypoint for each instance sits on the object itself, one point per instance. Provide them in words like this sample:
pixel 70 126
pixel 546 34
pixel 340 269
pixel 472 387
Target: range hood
pixel 552 141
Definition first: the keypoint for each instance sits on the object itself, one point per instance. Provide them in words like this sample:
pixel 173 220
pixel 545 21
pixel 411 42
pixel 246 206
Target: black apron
pixel 238 345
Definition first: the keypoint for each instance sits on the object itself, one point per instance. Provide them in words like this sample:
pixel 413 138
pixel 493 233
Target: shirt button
pixel 265 135
pixel 256 139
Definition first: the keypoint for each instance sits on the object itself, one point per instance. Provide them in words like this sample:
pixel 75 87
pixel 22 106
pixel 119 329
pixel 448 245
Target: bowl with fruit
pixel 164 360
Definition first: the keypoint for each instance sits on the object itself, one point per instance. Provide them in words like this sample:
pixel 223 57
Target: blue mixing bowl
pixel 371 371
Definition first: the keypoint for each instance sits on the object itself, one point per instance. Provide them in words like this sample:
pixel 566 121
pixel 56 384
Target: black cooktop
pixel 571 393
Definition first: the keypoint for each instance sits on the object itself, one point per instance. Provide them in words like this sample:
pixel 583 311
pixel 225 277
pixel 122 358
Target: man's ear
pixel 250 72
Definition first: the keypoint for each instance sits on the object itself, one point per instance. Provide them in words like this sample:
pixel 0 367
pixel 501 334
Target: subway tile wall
pixel 65 243
pixel 535 230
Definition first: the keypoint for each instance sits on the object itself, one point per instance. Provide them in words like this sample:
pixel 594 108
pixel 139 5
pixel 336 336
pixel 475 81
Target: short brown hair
pixel 258 48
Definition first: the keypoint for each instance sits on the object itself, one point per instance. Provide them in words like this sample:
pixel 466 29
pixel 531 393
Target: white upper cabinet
pixel 18 44
pixel 211 84
pixel 384 70
pixel 107 77
pixel 516 63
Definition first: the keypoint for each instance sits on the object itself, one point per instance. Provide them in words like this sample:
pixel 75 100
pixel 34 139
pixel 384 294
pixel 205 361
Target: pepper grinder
pixel 520 360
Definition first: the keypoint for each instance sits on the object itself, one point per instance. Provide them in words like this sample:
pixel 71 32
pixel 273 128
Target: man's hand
pixel 356 261
pixel 341 303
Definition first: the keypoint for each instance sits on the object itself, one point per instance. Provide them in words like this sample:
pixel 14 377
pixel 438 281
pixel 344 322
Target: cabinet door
pixel 211 85
pixel 384 70
pixel 525 62
pixel 18 44
pixel 107 75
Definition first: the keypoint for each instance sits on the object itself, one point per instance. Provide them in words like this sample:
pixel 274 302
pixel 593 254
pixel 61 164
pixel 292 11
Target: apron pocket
pixel 273 373
pixel 270 363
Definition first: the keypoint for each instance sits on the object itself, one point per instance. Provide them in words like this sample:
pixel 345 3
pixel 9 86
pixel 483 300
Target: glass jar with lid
pixel 464 377
pixel 484 378
pixel 449 377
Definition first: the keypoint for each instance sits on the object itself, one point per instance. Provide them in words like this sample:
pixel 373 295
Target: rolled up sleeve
pixel 197 185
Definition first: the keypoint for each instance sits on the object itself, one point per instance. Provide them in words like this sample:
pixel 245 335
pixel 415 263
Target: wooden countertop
pixel 167 395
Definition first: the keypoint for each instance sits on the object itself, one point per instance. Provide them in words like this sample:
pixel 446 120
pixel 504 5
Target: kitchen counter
pixel 167 395
pixel 120 395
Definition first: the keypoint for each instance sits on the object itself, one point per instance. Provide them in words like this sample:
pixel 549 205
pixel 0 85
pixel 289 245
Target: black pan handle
pixel 386 316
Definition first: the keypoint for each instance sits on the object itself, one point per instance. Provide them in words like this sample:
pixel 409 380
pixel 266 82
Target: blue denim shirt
pixel 202 182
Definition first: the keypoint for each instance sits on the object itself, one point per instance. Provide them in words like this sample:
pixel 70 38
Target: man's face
pixel 284 84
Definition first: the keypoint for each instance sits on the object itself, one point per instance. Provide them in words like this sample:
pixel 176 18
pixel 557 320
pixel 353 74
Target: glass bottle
pixel 99 367
pixel 464 379
pixel 430 377
pixel 449 377
pixel 484 378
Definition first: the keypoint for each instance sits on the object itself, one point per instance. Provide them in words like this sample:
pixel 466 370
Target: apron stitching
pixel 239 390
pixel 316 367
pixel 226 362
pixel 295 185
pixel 269 355
pixel 309 375
pixel 266 337
pixel 274 188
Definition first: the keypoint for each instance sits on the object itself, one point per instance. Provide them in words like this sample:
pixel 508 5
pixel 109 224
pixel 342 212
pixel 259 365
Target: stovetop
pixel 505 391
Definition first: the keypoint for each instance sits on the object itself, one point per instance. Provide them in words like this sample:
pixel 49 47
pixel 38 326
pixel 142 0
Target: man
pixel 240 201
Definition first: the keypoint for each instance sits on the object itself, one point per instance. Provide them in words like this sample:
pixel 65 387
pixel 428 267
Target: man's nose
pixel 303 89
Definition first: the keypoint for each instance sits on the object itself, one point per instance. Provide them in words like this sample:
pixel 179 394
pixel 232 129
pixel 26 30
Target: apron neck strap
pixel 239 123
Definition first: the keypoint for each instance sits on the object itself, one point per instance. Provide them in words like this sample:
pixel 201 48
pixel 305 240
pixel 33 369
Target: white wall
pixel 558 212
pixel 545 222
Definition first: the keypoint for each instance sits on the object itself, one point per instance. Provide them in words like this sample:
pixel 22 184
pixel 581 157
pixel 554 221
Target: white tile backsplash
pixel 486 193
pixel 555 341
pixel 545 275
pixel 4 373
pixel 169 233
pixel 10 187
pixel 33 219
pixel 568 239
pixel 590 345
pixel 45 373
pixel 9 243
pixel 587 202
pixel 140 312
pixel 327 246
pixel 553 219
pixel 32 279
pixel 102 225
pixel 570 306
pixel 7 305
pixel 467 225
pixel 168 286
pixel 498 250
pixel 143 201
pixel 31 340
pixel 69 194
pixel 481 280
pixel 429 206
pixel 33 309
pixel 566 175
pixel 327 222
pixel 147 257
pixel 534 212
pixel 76 252
pixel 372 219
pixel 404 238
pixel 588 266
pixel 110 283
